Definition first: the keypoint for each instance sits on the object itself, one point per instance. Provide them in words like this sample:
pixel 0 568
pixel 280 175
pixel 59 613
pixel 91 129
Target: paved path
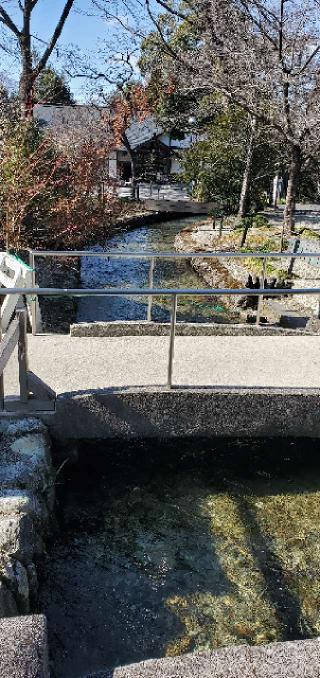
pixel 77 364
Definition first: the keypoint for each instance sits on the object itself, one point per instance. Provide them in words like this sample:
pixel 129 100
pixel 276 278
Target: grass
pixel 263 238
pixel 308 233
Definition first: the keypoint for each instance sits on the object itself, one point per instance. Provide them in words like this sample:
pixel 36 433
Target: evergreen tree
pixel 51 88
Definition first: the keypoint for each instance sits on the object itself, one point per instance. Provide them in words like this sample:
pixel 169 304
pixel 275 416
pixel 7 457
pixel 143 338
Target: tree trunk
pixel 26 94
pixel 243 203
pixel 292 190
pixel 275 191
pixel 131 155
pixel 26 79
pixel 246 227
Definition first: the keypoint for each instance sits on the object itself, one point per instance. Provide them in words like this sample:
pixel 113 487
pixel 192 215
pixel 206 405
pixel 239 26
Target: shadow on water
pixel 164 548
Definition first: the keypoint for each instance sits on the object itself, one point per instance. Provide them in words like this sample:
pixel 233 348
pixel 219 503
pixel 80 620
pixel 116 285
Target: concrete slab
pixel 84 363
pixel 299 659
pixel 111 387
pixel 23 647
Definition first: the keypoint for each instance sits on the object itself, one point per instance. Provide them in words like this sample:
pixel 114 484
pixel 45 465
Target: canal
pixel 169 273
pixel 163 548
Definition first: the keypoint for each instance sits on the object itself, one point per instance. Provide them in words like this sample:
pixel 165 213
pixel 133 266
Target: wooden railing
pixel 34 394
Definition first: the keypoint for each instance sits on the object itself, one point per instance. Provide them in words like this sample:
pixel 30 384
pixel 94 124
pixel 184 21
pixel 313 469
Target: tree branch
pixel 7 21
pixel 59 28
pixel 174 12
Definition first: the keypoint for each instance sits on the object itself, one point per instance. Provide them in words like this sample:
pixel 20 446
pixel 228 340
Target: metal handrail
pixel 151 292
pixel 155 292
pixel 174 293
pixel 152 256
pixel 172 255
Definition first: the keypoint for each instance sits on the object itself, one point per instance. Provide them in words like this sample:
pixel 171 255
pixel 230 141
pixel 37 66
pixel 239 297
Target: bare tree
pixel 114 86
pixel 243 203
pixel 31 67
pixel 261 54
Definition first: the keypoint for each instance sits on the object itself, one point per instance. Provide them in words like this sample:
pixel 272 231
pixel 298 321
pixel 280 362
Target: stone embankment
pixel 215 273
pixel 231 273
pixel 26 501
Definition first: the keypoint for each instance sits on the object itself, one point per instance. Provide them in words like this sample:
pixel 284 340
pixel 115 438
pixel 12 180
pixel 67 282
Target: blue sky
pixel 87 32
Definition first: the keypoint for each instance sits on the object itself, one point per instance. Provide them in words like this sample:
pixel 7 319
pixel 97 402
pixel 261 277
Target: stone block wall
pixel 26 501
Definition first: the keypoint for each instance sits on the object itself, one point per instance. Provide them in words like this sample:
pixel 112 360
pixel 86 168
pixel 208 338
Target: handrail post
pixel 172 338
pixel 33 299
pixel 23 355
pixel 151 272
pixel 260 298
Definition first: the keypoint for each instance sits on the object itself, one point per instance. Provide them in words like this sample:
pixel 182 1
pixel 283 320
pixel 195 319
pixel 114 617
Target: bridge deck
pixel 77 364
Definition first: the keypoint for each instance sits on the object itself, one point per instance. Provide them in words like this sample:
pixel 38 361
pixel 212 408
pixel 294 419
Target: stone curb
pixel 300 659
pixel 144 328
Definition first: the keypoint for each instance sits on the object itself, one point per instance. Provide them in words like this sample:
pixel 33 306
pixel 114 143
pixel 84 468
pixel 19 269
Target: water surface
pixel 168 273
pixel 165 548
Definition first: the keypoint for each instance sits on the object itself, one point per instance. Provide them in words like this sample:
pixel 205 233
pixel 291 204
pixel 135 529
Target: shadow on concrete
pixel 151 412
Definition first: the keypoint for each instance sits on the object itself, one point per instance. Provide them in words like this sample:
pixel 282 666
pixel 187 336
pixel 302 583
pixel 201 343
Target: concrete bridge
pixel 115 387
pixel 163 386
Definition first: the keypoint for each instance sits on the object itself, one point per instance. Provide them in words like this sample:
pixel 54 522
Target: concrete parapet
pixel 140 328
pixel 136 413
pixel 300 659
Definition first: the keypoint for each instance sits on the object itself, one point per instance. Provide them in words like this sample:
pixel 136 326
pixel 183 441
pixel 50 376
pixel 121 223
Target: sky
pixel 86 32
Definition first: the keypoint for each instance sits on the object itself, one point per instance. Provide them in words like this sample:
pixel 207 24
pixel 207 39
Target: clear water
pixel 172 547
pixel 169 273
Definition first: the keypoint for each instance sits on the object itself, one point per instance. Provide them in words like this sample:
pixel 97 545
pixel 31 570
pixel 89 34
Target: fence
pixel 34 394
pixel 43 393
pixel 152 257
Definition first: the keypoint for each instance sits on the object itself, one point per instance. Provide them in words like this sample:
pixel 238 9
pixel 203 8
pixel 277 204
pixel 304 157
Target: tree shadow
pixel 126 544
pixel 284 601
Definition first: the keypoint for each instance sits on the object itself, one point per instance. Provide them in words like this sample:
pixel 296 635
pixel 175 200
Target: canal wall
pixel 24 647
pixel 146 413
pixel 26 501
pixel 26 505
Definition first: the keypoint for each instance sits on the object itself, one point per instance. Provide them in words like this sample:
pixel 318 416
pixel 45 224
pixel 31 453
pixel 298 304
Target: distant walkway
pixel 156 191
pixel 77 364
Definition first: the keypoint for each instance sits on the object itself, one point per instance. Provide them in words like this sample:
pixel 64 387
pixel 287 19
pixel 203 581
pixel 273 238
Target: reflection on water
pixel 135 273
pixel 174 547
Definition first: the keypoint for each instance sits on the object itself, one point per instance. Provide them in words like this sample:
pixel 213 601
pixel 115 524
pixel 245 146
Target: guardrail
pixel 174 293
pixel 153 256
